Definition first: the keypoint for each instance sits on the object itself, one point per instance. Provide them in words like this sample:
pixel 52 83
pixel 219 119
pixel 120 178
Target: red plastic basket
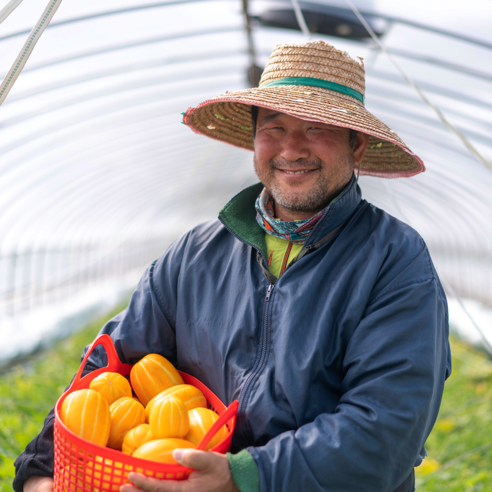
pixel 81 466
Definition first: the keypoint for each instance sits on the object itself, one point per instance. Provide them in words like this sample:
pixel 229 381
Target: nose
pixel 294 146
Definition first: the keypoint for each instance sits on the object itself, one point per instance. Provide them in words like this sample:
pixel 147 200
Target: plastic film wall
pixel 98 175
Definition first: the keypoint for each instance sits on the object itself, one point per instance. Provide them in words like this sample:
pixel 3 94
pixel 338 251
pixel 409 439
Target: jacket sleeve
pixel 146 326
pixel 394 370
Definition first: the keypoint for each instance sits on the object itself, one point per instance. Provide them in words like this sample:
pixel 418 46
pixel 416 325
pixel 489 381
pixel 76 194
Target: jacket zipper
pixel 241 416
pixel 263 343
pixel 306 249
pixel 259 366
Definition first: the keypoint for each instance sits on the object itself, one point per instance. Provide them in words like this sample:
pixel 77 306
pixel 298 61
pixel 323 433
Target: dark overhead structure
pixel 320 19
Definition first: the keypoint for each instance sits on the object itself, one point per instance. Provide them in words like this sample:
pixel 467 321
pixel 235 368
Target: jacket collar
pixel 337 212
pixel 239 215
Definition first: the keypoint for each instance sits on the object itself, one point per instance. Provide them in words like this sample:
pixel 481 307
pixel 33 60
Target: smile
pixel 297 172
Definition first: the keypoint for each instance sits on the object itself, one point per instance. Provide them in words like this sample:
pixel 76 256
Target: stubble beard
pixel 326 188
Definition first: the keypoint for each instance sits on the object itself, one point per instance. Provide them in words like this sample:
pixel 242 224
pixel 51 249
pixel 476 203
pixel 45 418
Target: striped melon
pixel 169 418
pixel 151 375
pixel 112 386
pixel 126 413
pixel 86 413
pixel 192 397
pixel 201 420
pixel 161 450
pixel 137 437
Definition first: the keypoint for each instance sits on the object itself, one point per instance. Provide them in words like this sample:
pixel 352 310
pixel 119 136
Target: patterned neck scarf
pixel 295 231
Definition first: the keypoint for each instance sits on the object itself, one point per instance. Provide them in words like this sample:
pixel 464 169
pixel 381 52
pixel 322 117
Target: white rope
pixel 8 9
pixel 465 141
pixel 300 19
pixel 26 51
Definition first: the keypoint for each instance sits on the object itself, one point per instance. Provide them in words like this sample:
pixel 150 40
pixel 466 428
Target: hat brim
pixel 228 118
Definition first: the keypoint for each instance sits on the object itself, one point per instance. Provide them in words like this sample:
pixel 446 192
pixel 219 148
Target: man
pixel 320 313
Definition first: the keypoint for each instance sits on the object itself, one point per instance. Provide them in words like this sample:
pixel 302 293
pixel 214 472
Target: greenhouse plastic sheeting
pixel 98 175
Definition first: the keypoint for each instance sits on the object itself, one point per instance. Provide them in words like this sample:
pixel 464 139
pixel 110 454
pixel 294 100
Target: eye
pixel 315 129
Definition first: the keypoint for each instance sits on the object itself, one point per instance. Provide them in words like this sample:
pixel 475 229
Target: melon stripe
pixel 121 419
pixel 200 422
pixel 199 397
pixel 69 402
pixel 85 412
pixel 166 370
pixel 82 415
pixel 95 419
pixel 149 379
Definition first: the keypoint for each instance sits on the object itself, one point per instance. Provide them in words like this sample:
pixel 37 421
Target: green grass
pixel 460 446
pixel 29 391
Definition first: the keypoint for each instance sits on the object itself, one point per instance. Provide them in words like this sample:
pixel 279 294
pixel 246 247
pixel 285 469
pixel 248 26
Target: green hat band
pixel 311 81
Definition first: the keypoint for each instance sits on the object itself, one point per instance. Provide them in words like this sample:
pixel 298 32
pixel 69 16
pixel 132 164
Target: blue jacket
pixel 339 366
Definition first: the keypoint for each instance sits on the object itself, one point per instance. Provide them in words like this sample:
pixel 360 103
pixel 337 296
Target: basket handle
pixel 107 342
pixel 231 411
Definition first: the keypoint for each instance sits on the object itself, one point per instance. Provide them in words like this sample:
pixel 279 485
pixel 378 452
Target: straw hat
pixel 312 81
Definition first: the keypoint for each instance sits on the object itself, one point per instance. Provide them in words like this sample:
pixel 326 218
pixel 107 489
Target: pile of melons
pixel 165 414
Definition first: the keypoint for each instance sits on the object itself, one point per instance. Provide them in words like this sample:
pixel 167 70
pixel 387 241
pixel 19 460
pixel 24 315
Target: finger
pixel 129 488
pixel 41 484
pixel 149 484
pixel 198 460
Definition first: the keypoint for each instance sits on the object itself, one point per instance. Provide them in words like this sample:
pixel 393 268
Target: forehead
pixel 265 115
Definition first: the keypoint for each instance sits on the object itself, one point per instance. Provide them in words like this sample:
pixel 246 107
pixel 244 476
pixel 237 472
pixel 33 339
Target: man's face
pixel 303 164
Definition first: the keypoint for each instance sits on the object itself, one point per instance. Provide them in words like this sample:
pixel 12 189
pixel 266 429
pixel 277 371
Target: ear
pixel 361 142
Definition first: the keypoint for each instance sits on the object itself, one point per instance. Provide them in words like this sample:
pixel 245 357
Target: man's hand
pixel 38 484
pixel 211 474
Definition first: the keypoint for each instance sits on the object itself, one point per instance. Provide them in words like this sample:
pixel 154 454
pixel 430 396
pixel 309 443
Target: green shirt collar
pixel 239 216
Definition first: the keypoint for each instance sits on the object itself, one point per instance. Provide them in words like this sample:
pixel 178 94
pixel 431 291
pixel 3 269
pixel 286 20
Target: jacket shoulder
pixel 404 258
pixel 204 241
pixel 197 237
pixel 206 230
pixel 392 229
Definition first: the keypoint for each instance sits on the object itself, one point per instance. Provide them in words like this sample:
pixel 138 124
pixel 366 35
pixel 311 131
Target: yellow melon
pixel 112 386
pixel 151 375
pixel 201 419
pixel 169 418
pixel 136 437
pixel 126 413
pixel 192 397
pixel 86 413
pixel 161 450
